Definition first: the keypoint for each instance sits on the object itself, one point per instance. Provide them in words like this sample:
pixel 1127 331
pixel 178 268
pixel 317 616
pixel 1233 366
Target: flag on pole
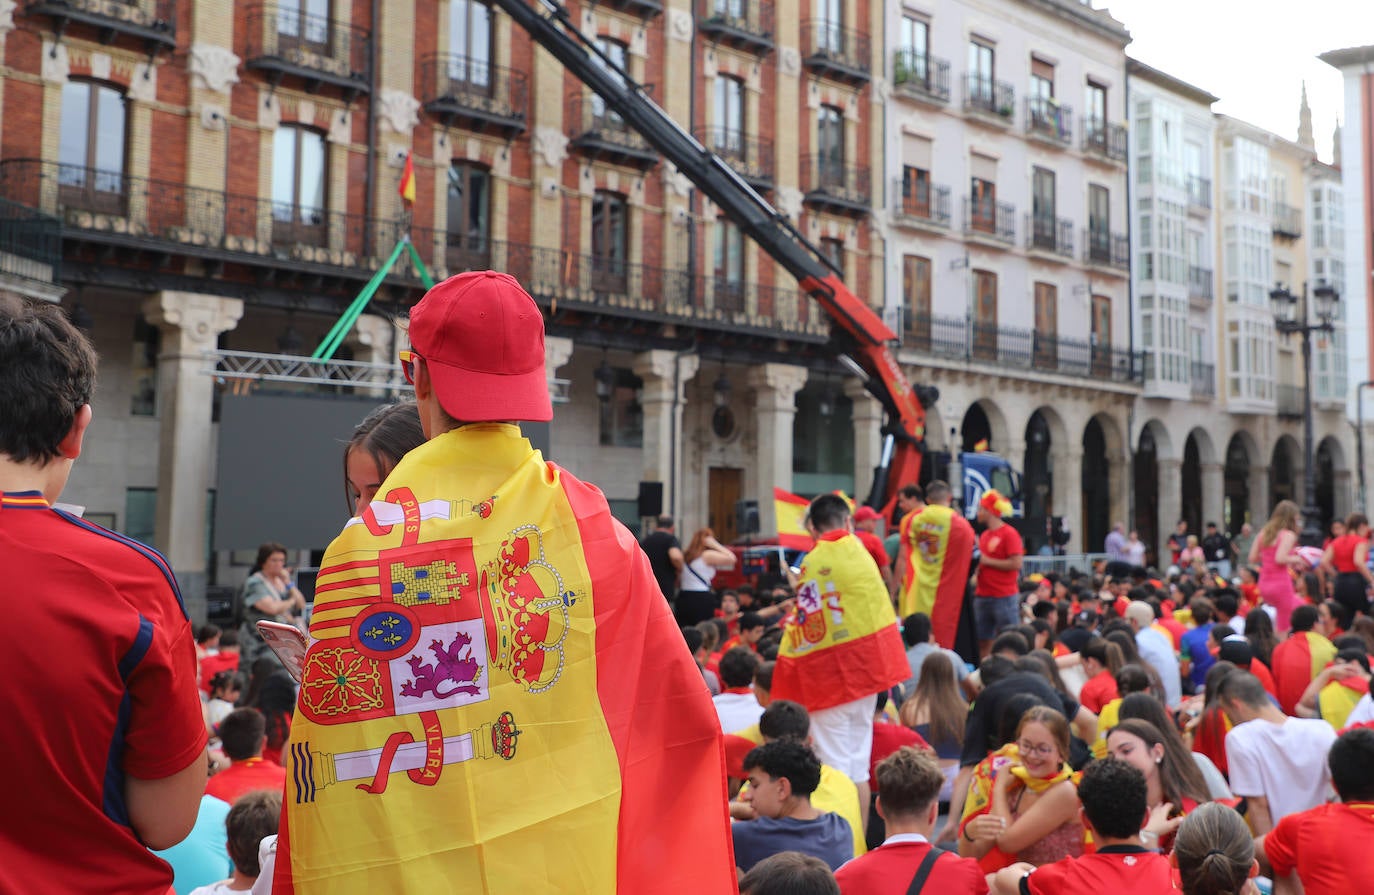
pixel 407 185
pixel 790 511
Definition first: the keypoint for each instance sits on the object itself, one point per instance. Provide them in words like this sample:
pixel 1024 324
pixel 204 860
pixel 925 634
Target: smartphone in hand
pixel 288 643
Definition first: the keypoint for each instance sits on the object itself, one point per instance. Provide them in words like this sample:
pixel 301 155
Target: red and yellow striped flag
pixel 494 695
pixel 841 643
pixel 407 185
pixel 790 511
pixel 939 545
pixel 1295 662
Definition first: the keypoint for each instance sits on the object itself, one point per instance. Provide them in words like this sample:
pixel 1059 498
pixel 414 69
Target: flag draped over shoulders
pixel 841 641
pixel 1295 662
pixel 940 545
pixel 494 693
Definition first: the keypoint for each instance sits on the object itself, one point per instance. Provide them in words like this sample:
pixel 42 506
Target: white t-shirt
pixel 736 711
pixel 1158 650
pixel 219 888
pixel 701 580
pixel 1362 713
pixel 1285 763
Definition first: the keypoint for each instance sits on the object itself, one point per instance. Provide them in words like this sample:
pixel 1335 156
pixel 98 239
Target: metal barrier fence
pixel 1083 562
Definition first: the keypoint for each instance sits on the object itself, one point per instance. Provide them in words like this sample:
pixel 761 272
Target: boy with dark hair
pixel 782 776
pixel 255 816
pixel 736 706
pixel 909 782
pixel 1115 806
pixel 696 646
pixel 918 637
pixel 1330 847
pixel 242 734
pixel 132 780
pixel 789 873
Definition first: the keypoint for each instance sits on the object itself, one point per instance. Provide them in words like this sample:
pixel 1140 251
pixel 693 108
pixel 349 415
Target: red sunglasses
pixel 408 358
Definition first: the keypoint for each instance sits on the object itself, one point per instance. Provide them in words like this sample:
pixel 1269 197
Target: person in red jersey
pixel 103 736
pixel 909 782
pixel 1114 808
pixel 243 734
pixel 996 600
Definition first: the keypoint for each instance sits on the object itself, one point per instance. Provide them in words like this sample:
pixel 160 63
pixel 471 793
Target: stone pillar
pixel 1119 486
pixel 1170 504
pixel 665 375
pixel 868 439
pixel 775 409
pixel 1068 492
pixel 1259 495
pixel 1341 493
pixel 1213 494
pixel 375 340
pixel 189 323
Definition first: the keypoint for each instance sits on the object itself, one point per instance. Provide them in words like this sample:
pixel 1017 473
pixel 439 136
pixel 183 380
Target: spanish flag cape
pixel 1337 699
pixel 494 695
pixel 939 542
pixel 841 643
pixel 1295 662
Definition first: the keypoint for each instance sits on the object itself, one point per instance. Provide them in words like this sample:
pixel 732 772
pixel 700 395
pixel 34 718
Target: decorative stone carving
pixel 789 202
pixel 100 65
pixel 680 24
pixel 396 154
pixel 215 67
pixel 558 350
pixel 191 319
pixel 639 43
pixel 710 67
pixel 269 112
pixel 813 96
pixel 551 145
pixel 7 8
pixel 548 188
pixel 789 60
pixel 143 83
pixel 676 181
pixel 340 127
pixel 399 110
pixel 213 118
pixel 56 64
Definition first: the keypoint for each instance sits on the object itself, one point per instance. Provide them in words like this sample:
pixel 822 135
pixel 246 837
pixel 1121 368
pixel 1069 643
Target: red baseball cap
pixel 865 513
pixel 482 340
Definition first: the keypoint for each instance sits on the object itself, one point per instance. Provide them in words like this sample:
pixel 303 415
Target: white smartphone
pixel 288 643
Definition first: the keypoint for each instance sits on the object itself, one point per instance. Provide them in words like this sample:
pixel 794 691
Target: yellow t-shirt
pixel 838 793
pixel 1106 720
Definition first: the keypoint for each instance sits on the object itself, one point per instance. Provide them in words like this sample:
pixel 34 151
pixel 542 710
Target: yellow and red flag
pixel 841 642
pixel 1295 662
pixel 940 547
pixel 980 445
pixel 1337 699
pixel 790 511
pixel 494 694
pixel 407 185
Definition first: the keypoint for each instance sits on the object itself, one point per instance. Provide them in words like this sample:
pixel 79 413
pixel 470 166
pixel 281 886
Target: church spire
pixel 1305 122
pixel 1336 145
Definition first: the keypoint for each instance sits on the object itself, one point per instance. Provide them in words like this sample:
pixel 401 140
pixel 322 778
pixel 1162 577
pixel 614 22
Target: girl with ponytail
pixel 1215 853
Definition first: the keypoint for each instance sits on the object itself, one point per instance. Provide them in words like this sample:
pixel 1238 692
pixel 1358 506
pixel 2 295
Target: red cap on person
pixel 865 513
pixel 482 340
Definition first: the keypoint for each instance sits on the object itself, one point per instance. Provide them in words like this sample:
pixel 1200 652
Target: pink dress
pixel 1276 587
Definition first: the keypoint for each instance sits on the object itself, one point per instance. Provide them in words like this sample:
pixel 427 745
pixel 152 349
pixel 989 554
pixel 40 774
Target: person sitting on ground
pixel 1334 693
pixel 920 642
pixel 751 630
pixel 736 706
pixel 1299 658
pixel 1113 797
pixel 226 658
pixel 1173 782
pixel 225 689
pixel 276 699
pixel 1331 847
pixel 1214 853
pixel 1194 656
pixel 1130 679
pixel 254 816
pixel 789 873
pixel 1102 659
pixel 694 646
pixel 243 733
pixel 782 776
pixel 1269 755
pixel 908 784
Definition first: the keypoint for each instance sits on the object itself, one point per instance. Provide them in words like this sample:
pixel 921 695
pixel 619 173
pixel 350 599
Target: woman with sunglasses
pixel 1034 812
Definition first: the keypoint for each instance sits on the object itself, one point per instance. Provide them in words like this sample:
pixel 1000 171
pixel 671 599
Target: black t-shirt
pixel 986 714
pixel 656 546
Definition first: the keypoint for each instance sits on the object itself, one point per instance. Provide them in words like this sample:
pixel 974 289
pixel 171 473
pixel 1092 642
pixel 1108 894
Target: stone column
pixel 1341 493
pixel 1068 492
pixel 1213 494
pixel 775 409
pixel 1170 504
pixel 868 439
pixel 189 323
pixel 375 340
pixel 1119 481
pixel 665 375
pixel 1259 495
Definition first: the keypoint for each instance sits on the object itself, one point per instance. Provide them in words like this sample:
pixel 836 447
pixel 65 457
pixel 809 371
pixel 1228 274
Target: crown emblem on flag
pixel 529 605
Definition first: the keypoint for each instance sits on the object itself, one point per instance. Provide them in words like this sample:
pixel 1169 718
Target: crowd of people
pixel 887 716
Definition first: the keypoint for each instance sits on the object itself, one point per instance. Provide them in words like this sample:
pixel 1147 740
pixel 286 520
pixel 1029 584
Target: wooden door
pixel 1046 326
pixel 725 487
pixel 985 315
pixel 1102 335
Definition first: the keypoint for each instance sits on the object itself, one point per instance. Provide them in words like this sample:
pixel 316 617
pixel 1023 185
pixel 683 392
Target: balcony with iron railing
pixel 1047 234
pixel 744 24
pixel 1200 284
pixel 1204 380
pixel 972 341
pixel 600 133
pixel 644 9
pixel 831 185
pixel 1199 194
pixel 1104 141
pixel 1286 219
pixel 1107 250
pixel 919 76
pixel 990 100
pixel 831 50
pixel 474 94
pixel 287 42
pixel 30 243
pixel 751 157
pixel 151 21
pixel 1049 121
pixel 920 204
pixel 987 219
pixel 1291 401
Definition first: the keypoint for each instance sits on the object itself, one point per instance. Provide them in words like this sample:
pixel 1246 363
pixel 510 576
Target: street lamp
pixel 1293 314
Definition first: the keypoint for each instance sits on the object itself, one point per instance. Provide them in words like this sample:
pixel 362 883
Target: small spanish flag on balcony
pixel 407 185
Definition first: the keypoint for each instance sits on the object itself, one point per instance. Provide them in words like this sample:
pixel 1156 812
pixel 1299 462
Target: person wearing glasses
pixel 1033 817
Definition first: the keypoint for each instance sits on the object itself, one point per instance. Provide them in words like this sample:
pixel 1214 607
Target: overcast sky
pixel 1253 55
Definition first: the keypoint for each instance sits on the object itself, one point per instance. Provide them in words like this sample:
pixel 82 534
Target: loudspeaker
pixel 650 499
pixel 746 517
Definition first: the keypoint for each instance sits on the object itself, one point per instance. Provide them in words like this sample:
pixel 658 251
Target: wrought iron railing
pixel 1104 140
pixel 154 20
pixel 989 96
pixel 827 44
pixel 1200 283
pixel 921 74
pixel 590 119
pixel 1290 400
pixel 287 35
pixel 752 157
pixel 30 243
pixel 1204 379
pixel 1050 234
pixel 459 83
pixel 1106 248
pixel 990 218
pixel 750 20
pixel 1199 191
pixel 1287 220
pixel 826 178
pixel 1049 119
pixel 920 201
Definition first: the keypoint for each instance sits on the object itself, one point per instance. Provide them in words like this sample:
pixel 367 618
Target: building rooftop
pixel 1351 56
pixel 1139 69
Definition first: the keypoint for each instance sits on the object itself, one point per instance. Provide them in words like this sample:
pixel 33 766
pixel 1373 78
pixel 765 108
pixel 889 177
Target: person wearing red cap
pixel 865 529
pixel 996 600
pixel 493 671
